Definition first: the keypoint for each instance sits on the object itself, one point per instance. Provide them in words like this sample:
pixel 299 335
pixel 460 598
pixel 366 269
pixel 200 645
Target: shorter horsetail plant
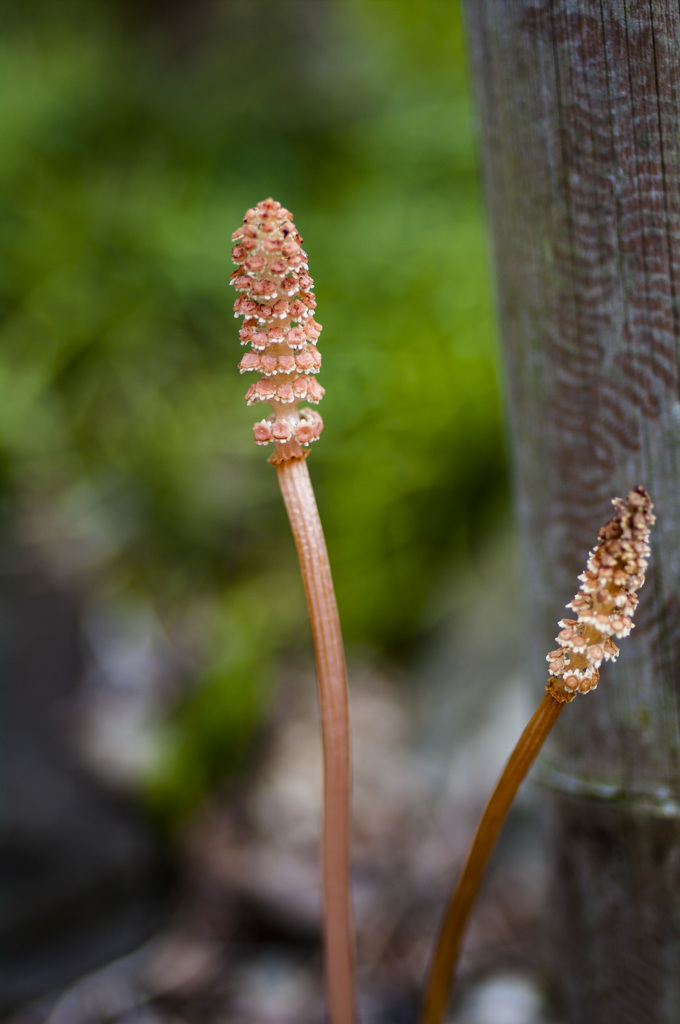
pixel 604 607
pixel 277 301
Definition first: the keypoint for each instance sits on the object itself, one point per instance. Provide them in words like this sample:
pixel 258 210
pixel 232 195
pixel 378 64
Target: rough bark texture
pixel 579 107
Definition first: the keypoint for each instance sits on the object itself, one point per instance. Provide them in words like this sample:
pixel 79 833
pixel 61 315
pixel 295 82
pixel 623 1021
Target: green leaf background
pixel 133 141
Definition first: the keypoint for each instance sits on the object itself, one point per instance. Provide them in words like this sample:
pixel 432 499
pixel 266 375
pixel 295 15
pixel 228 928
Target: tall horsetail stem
pixel 276 299
pixel 604 606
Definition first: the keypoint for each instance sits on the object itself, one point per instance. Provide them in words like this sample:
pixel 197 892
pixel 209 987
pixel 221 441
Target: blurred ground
pixel 242 944
pixel 237 928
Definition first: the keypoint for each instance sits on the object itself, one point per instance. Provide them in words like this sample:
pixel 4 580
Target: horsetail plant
pixel 277 301
pixel 604 606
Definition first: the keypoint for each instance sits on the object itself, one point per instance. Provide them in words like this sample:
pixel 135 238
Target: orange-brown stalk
pixel 298 496
pixel 604 606
pixel 277 302
pixel 447 949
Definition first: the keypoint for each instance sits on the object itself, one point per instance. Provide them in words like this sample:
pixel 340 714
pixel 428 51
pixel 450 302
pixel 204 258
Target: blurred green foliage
pixel 134 137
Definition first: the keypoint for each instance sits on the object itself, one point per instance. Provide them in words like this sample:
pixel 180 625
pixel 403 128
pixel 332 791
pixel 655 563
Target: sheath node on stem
pixel 604 606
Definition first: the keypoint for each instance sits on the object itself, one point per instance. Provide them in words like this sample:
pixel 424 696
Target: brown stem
pixel 447 948
pixel 298 496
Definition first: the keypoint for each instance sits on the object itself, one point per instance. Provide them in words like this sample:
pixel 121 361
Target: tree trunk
pixel 579 105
